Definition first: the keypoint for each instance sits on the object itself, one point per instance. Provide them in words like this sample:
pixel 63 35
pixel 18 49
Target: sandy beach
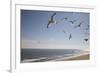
pixel 78 57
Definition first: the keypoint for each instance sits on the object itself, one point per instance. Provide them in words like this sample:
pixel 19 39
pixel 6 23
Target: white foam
pixel 32 60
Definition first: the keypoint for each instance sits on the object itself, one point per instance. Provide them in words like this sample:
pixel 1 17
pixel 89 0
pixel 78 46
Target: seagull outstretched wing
pixel 52 17
pixel 48 24
pixel 51 20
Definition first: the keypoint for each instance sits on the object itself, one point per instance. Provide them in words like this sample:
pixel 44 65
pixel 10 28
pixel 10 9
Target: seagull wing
pixel 72 21
pixel 48 24
pixel 80 23
pixel 52 17
pixel 86 40
pixel 65 18
pixel 70 36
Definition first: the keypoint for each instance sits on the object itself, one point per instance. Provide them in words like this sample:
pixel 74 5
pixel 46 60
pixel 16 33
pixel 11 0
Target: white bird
pixel 51 21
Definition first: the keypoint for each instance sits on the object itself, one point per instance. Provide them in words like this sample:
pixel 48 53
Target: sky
pixel 35 34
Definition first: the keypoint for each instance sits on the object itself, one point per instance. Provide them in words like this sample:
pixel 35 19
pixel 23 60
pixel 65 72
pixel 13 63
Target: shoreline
pixel 84 56
pixel 81 56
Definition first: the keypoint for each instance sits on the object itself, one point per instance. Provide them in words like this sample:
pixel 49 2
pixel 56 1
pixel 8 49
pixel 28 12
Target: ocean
pixel 42 55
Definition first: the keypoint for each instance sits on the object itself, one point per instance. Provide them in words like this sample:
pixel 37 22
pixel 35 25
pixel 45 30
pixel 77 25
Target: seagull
pixel 86 39
pixel 72 21
pixel 79 25
pixel 51 21
pixel 70 36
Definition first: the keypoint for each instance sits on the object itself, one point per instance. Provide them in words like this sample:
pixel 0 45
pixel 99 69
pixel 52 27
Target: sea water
pixel 42 55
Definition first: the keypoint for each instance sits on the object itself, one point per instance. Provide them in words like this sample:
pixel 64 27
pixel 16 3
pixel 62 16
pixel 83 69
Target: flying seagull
pixel 86 39
pixel 72 21
pixel 79 25
pixel 70 36
pixel 51 21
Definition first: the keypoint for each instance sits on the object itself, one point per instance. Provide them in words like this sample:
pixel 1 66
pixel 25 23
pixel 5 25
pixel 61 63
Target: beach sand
pixel 72 58
pixel 79 57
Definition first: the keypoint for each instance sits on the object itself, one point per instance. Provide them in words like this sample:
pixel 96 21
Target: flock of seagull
pixel 52 21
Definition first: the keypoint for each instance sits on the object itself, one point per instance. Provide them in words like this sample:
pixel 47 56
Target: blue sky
pixel 34 33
